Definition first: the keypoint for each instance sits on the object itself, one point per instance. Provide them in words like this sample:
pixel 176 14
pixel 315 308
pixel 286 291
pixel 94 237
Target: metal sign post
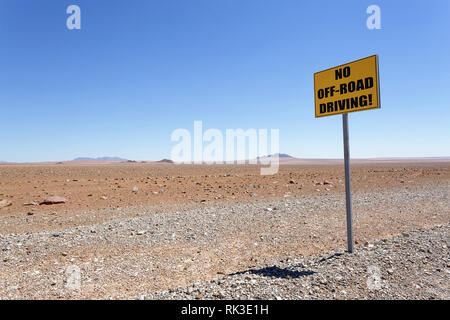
pixel 348 192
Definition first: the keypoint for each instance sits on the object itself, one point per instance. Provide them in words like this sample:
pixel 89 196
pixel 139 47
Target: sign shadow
pixel 276 272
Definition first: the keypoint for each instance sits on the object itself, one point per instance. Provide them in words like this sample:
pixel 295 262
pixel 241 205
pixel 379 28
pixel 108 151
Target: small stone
pixel 31 203
pixel 5 203
pixel 54 200
pixel 135 189
pixel 199 296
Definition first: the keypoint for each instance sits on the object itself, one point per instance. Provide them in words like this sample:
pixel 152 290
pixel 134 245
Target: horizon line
pixel 122 160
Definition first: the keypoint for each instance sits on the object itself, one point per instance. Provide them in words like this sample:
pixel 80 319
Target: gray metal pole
pixel 348 192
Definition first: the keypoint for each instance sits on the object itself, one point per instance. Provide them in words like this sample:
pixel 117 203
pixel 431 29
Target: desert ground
pixel 167 231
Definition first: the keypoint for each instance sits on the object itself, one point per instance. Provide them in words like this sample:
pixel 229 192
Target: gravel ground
pixel 413 265
pixel 133 257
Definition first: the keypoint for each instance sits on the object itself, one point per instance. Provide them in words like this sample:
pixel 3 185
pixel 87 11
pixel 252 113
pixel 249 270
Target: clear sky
pixel 137 70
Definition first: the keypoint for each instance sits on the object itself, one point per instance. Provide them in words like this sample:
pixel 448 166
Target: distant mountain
pixel 100 159
pixel 165 161
pixel 280 155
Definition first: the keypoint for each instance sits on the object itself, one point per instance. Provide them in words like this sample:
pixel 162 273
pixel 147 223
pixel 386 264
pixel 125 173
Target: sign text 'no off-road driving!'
pixel 346 88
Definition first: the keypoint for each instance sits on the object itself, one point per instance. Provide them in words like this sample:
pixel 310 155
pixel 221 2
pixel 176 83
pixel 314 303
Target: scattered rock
pixel 31 203
pixel 5 203
pixel 200 296
pixel 54 200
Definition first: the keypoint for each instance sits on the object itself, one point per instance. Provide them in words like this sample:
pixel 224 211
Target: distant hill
pixel 165 161
pixel 100 159
pixel 280 155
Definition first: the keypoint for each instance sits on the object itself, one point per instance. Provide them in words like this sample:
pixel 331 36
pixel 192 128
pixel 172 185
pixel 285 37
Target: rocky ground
pixel 142 252
pixel 88 187
pixel 412 265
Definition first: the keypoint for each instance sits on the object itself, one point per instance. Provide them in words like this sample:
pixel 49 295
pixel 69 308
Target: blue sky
pixel 137 70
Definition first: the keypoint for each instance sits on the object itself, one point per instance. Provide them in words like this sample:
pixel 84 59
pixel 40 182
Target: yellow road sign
pixel 347 88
